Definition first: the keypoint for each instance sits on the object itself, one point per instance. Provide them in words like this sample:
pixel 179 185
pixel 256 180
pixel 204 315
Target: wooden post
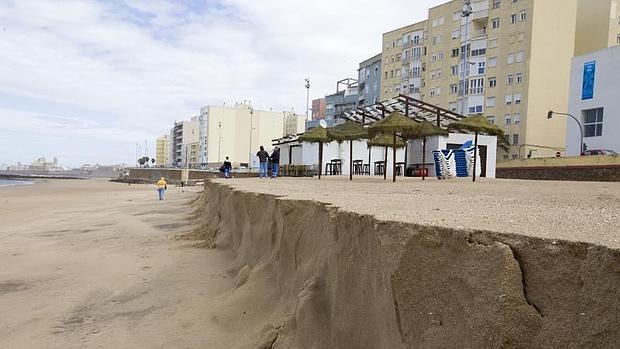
pixel 320 158
pixel 350 160
pixel 475 154
pixel 406 153
pixel 394 159
pixel 438 118
pixel 423 158
pixel 369 159
pixel 385 165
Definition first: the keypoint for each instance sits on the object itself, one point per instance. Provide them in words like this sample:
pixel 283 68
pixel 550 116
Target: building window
pixel 507 139
pixel 517 119
pixel 515 139
pixel 508 99
pixel 481 66
pixel 517 98
pixel 455 52
pixel 479 52
pixel 495 23
pixel 513 18
pixel 454 70
pixel 593 122
pixel 520 56
pixel 511 58
pixel 453 88
pixel 523 16
pixel 496 4
pixel 456 34
pixel 491 119
pixel 492 82
pixel 519 80
pixel 509 79
pixel 490 101
pixel 507 119
pixel 492 62
pixel 493 43
pixel 476 86
pixel 475 109
pixel 452 106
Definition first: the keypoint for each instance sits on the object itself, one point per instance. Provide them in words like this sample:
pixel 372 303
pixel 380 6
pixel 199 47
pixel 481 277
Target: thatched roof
pixel 395 122
pixel 348 131
pixel 386 140
pixel 316 135
pixel 424 129
pixel 480 124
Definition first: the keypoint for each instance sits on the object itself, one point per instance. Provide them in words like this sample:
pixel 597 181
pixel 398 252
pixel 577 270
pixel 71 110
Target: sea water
pixel 11 182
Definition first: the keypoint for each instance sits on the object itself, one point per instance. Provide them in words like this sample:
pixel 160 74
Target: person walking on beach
pixel 263 157
pixel 226 168
pixel 161 187
pixel 275 162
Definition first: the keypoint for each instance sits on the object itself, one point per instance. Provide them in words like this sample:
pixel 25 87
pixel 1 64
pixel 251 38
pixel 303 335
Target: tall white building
pixel 238 131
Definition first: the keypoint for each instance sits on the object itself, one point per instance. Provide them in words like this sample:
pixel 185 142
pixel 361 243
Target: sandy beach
pixel 92 264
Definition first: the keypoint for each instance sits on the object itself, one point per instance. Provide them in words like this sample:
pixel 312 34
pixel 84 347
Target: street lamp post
pixel 219 141
pixel 307 98
pixel 467 11
pixel 250 147
pixel 550 116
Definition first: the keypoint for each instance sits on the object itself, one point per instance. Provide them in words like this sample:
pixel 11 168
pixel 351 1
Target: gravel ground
pixel 574 211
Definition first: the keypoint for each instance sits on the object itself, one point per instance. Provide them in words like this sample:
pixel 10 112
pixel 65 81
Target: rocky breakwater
pixel 310 275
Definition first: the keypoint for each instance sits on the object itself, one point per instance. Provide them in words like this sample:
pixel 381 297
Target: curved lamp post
pixel 550 116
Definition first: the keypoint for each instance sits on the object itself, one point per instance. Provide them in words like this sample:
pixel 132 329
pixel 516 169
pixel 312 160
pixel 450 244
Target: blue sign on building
pixel 589 72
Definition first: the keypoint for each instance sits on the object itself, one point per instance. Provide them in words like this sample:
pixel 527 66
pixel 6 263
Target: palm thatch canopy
pixel 316 135
pixel 424 129
pixel 479 124
pixel 394 123
pixel 348 131
pixel 386 140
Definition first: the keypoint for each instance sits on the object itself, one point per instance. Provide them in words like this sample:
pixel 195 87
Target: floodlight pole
pixel 467 11
pixel 308 99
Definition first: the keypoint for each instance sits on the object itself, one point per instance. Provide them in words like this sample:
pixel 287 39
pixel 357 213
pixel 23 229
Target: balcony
pixel 479 33
pixel 480 15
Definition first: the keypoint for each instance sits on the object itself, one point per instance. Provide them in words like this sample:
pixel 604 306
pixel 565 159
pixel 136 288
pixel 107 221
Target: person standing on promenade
pixel 275 162
pixel 263 157
pixel 161 187
pixel 226 168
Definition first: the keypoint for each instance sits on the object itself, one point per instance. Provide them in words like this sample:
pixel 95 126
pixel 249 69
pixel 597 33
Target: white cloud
pixel 124 70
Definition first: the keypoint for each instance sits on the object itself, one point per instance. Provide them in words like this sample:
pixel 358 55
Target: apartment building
pixel 507 59
pixel 318 109
pixel 184 135
pixel 162 151
pixel 397 74
pixel 598 25
pixel 346 98
pixel 369 81
pixel 238 131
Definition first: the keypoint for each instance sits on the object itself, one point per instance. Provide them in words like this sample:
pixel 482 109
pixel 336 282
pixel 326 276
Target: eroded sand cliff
pixel 310 275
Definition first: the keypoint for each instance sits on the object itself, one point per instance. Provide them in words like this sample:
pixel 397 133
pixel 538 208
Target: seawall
pixel 323 277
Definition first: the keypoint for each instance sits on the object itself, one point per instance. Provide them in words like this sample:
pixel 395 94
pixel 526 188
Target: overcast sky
pixel 86 80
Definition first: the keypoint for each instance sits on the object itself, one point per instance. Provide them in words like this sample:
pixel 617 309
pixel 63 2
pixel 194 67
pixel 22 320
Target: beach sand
pixel 93 264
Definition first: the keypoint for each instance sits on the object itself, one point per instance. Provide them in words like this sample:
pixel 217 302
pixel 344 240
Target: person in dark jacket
pixel 263 157
pixel 226 168
pixel 275 162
